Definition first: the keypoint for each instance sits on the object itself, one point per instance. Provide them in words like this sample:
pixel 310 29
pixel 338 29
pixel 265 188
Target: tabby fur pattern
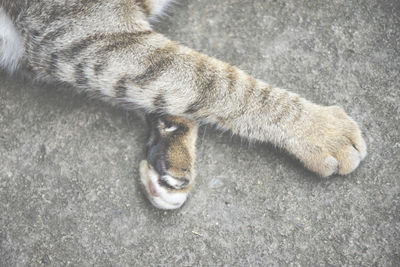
pixel 109 49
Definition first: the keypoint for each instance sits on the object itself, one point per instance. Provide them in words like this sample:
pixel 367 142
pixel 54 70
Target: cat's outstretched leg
pixel 125 60
pixel 167 174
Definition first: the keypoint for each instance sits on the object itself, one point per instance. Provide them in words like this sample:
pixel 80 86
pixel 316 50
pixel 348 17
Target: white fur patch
pixel 163 199
pixel 158 7
pixel 11 44
pixel 171 129
pixel 172 181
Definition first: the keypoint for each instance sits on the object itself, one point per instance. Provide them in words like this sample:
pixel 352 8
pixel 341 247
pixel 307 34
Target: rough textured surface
pixel 69 192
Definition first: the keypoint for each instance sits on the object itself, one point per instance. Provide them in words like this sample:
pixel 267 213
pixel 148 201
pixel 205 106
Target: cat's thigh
pixel 168 171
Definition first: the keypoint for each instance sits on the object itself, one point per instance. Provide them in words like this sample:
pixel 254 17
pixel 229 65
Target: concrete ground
pixel 69 192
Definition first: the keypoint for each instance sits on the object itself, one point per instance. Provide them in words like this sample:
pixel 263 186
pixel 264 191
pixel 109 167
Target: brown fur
pixel 175 148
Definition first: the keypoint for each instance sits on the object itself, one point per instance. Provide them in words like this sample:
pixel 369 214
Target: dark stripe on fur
pixel 77 47
pixel 206 82
pixel 265 95
pixel 120 88
pixel 52 64
pixel 113 41
pixel 98 68
pixel 159 103
pixel 298 110
pixel 195 106
pixel 160 60
pixel 80 76
pixel 250 90
pixel 54 34
pixel 232 77
pixel 122 40
pixel 144 5
pixel 284 102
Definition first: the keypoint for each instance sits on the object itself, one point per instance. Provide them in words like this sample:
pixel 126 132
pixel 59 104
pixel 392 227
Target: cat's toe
pixel 328 166
pixel 349 159
pixel 350 155
pixel 358 143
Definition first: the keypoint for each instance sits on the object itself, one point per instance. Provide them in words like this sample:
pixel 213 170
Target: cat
pixel 109 49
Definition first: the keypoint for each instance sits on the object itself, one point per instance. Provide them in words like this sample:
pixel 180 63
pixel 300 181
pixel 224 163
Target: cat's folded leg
pixel 167 174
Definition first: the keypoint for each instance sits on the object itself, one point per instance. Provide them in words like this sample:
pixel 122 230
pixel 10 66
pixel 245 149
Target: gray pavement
pixel 69 192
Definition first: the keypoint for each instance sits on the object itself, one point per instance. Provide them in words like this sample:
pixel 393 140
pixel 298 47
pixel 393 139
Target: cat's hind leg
pixel 167 174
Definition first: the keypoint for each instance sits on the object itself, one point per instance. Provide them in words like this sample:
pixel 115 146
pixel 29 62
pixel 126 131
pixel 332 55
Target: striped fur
pixel 108 48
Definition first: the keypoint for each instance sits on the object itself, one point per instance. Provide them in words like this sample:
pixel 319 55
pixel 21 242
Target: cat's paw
pixel 164 192
pixel 332 143
pixel 167 174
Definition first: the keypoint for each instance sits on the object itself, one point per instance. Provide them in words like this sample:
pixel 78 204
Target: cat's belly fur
pixel 11 44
